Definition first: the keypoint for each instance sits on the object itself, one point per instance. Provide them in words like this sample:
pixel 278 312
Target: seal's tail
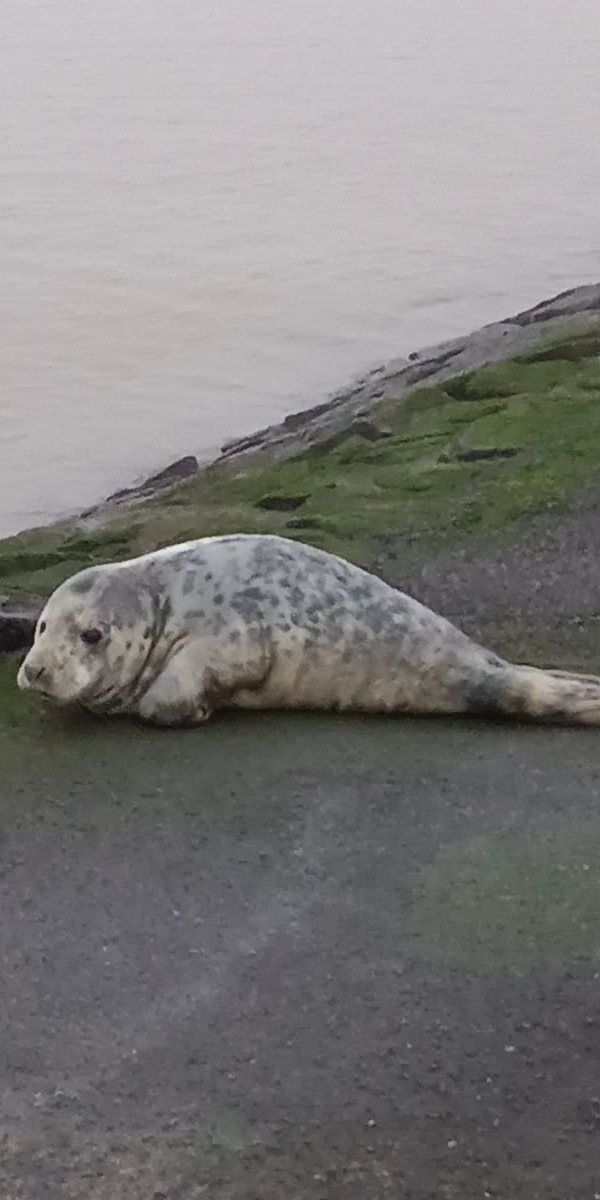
pixel 563 697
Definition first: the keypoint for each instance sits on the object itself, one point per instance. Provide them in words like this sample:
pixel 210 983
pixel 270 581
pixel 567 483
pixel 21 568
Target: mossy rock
pixel 421 480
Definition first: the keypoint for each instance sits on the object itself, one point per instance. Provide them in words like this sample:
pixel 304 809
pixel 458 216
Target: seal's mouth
pixel 26 686
pixel 36 684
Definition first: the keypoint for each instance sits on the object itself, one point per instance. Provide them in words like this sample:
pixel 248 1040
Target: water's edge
pixel 348 408
pixel 350 411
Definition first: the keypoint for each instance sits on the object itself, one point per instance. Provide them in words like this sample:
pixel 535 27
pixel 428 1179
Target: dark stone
pixel 249 442
pixel 281 503
pixel 360 427
pixel 364 428
pixel 565 304
pixel 182 468
pixel 18 618
pixel 489 452
pixel 305 416
pixel 475 455
pixel 574 349
pixel 303 523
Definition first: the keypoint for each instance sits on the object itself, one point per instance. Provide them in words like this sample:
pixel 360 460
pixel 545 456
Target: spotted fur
pixel 254 621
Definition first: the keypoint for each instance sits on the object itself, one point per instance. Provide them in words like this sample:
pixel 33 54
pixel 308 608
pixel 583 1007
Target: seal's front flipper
pixel 174 716
pixel 178 697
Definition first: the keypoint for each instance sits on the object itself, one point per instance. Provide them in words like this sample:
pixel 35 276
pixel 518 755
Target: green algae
pixel 518 899
pixel 467 456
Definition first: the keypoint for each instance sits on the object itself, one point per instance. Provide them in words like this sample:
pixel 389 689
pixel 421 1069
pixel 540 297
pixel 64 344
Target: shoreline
pixel 325 423
pixel 460 439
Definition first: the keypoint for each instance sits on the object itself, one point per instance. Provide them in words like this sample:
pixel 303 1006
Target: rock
pixel 306 415
pixel 475 455
pixel 364 428
pixel 182 468
pixel 281 503
pixel 18 618
pixel 325 425
pixel 249 442
pixel 565 304
pixel 350 411
pixel 303 523
pixel 358 427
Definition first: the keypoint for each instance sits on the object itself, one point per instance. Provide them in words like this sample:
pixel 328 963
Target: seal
pixel 257 621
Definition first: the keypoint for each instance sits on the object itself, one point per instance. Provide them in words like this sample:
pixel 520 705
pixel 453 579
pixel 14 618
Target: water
pixel 213 211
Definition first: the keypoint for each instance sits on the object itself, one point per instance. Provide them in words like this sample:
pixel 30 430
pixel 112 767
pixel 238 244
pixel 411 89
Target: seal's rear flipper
pixel 562 697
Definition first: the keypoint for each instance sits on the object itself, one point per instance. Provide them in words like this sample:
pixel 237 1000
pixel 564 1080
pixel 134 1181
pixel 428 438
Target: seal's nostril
pixel 33 674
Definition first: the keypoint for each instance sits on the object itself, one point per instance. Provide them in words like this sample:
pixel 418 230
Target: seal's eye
pixel 42 627
pixel 91 636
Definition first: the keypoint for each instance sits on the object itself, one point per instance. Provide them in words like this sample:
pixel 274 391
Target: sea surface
pixel 215 211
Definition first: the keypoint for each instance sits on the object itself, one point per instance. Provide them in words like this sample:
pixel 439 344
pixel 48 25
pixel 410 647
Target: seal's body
pixel 254 621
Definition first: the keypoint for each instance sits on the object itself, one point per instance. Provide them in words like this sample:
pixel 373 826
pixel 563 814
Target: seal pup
pixel 257 621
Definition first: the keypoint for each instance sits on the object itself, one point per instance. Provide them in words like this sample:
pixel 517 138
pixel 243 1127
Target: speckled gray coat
pixel 256 621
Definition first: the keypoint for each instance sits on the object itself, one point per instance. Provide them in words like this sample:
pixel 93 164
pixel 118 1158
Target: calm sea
pixel 213 211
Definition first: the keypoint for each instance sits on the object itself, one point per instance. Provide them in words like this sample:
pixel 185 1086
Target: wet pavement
pixel 300 958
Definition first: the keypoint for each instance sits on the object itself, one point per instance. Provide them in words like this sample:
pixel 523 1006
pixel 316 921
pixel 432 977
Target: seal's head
pixel 91 639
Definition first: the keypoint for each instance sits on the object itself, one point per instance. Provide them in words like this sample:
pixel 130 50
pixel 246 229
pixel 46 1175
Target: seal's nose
pixel 32 673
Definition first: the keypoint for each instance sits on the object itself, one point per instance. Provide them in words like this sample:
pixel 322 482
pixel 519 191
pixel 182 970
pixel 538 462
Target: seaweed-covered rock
pixel 281 503
pixel 18 617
